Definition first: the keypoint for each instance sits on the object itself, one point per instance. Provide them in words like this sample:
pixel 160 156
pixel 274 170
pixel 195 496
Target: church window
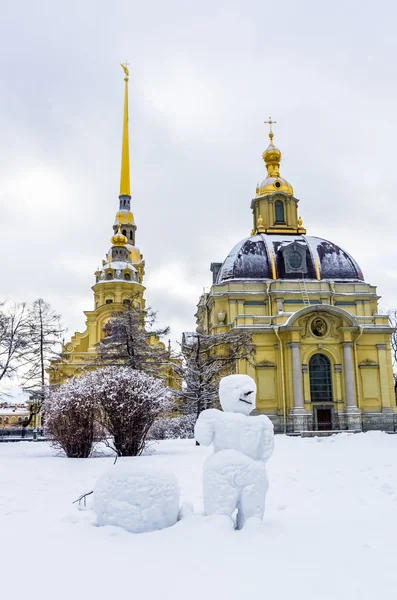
pixel 320 378
pixel 279 208
pixel 126 301
pixel 127 276
pixel 109 276
pixel 295 259
pixel 125 232
pixel 277 184
pixel 109 301
pixel 131 235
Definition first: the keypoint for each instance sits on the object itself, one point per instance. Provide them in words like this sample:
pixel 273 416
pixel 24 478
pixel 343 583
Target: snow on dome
pixel 136 499
pixel 250 259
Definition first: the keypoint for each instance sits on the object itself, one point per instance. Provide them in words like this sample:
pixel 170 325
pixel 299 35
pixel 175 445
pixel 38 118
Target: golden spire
pixel 125 150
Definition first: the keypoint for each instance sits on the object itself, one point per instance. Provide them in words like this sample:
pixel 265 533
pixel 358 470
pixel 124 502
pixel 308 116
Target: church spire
pixel 125 150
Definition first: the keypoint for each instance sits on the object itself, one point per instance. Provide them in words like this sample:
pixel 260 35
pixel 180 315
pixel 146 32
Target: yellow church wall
pixel 367 386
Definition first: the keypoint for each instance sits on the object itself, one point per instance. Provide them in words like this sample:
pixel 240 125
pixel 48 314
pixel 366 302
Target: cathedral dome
pixel 118 239
pixel 272 256
pixel 274 184
pixel 135 254
pixel 125 217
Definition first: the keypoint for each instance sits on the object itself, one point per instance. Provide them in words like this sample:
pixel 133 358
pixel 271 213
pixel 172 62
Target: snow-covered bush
pixel 129 401
pixel 166 428
pixel 69 414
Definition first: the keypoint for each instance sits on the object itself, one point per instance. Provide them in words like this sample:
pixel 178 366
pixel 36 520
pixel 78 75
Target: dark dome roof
pixel 252 259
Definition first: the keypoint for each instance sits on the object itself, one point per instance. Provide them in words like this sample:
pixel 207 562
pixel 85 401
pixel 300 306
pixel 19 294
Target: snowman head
pixel 237 394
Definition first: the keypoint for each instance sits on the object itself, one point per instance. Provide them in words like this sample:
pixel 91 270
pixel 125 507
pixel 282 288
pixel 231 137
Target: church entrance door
pixel 324 419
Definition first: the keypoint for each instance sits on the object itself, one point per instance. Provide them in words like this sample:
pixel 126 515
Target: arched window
pixel 320 378
pixel 109 276
pixel 109 301
pixel 125 232
pixel 127 276
pixel 131 234
pixel 279 209
pixel 126 301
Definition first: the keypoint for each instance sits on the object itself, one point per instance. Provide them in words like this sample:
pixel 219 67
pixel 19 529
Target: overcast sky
pixel 203 78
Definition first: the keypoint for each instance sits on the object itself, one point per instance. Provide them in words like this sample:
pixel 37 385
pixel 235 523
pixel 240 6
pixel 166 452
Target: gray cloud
pixel 203 79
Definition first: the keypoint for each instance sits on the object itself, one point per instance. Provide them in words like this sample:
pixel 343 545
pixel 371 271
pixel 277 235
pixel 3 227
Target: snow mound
pixel 136 499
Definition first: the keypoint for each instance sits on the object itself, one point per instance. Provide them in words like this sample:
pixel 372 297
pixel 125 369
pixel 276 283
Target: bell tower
pixel 118 281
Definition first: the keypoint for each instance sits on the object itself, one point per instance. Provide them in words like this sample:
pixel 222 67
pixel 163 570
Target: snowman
pixel 234 476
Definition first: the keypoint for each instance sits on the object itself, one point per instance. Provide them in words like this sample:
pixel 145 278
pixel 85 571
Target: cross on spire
pixel 270 123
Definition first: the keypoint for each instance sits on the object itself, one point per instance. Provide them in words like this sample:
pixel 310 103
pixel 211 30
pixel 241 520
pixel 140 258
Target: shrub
pixel 166 428
pixel 69 414
pixel 129 402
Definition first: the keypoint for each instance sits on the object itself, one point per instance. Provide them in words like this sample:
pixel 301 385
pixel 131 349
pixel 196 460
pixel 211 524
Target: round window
pixel 277 184
pixel 295 259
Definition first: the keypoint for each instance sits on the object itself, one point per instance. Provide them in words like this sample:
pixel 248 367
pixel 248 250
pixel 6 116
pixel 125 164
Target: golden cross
pixel 270 123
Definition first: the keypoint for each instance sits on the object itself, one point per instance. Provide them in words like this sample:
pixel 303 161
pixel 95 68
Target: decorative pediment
pixel 265 364
pixel 368 363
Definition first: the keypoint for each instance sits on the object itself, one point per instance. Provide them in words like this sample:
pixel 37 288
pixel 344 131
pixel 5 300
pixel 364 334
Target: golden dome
pixel 118 239
pixel 135 254
pixel 273 182
pixel 125 217
pixel 270 185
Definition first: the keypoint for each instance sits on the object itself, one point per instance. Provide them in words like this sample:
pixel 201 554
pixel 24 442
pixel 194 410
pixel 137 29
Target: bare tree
pixel 132 340
pixel 207 358
pixel 45 339
pixel 14 339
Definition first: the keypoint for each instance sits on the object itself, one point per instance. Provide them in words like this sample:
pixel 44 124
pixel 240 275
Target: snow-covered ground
pixel 330 528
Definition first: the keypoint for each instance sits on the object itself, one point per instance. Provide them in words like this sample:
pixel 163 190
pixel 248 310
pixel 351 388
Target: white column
pixel 296 374
pixel 352 412
pixel 349 375
pixel 298 413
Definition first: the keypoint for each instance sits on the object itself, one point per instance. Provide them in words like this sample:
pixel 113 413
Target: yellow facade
pixel 323 356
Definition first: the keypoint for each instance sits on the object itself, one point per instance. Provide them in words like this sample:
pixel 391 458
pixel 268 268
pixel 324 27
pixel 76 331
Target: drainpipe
pixel 269 300
pixel 280 345
pixel 332 288
pixel 356 366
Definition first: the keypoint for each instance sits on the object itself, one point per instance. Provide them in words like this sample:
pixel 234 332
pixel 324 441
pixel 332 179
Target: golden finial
pixel 125 149
pixel 124 66
pixel 259 225
pixel 270 123
pixel 272 155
